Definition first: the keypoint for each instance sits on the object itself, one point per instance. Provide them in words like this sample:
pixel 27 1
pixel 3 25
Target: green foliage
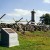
pixel 37 40
pixel 45 19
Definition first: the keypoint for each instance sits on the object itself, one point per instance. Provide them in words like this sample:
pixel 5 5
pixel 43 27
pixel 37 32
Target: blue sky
pixel 16 8
pixel 23 4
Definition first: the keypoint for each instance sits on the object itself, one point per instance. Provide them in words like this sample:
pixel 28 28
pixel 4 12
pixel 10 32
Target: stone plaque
pixel 9 36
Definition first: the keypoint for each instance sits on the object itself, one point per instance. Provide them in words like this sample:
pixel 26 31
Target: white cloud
pixel 19 12
pixel 40 12
pixel 46 1
pixel 27 13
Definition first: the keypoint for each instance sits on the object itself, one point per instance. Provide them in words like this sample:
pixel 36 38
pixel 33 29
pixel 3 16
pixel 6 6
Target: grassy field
pixel 37 40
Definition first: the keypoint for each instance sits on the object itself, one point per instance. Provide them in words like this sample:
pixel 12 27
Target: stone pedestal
pixel 9 37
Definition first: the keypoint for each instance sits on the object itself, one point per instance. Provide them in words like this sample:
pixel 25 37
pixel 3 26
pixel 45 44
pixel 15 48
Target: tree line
pixel 45 19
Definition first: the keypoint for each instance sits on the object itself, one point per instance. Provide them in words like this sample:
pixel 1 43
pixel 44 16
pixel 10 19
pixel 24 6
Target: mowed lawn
pixel 37 40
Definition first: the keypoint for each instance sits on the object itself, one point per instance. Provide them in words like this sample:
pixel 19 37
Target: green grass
pixel 37 40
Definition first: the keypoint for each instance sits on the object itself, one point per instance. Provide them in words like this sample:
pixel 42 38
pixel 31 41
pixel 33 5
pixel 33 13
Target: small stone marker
pixel 9 37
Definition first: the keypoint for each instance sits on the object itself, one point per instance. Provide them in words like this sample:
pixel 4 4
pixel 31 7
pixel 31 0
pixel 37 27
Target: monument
pixel 32 16
pixel 9 37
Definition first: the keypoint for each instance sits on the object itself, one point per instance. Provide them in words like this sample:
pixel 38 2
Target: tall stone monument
pixel 32 16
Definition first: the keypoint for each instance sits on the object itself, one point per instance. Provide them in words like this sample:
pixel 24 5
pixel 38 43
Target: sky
pixel 22 8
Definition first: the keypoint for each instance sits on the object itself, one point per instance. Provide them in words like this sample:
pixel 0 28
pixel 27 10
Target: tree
pixel 45 19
